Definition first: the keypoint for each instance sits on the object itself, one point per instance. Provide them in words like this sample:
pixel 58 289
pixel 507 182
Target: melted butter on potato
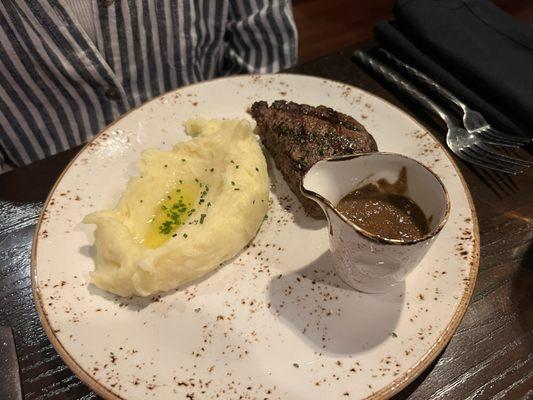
pixel 188 211
pixel 171 212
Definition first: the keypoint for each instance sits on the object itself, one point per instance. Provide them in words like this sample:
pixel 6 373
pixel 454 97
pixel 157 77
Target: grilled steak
pixel 298 135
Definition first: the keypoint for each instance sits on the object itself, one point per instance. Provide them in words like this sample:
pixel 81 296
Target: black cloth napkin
pixel 474 49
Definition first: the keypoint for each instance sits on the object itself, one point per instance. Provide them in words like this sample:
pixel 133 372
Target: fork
pixel 469 146
pixel 473 121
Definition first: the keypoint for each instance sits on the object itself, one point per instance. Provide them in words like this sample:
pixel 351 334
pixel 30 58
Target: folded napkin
pixel 471 47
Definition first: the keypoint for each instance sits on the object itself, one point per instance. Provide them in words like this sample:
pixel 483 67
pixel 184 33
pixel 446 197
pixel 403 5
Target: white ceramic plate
pixel 273 323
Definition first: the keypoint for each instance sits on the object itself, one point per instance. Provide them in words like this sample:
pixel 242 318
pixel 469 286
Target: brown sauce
pixel 382 209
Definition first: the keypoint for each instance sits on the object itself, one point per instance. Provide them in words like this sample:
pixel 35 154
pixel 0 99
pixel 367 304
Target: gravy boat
pixel 366 261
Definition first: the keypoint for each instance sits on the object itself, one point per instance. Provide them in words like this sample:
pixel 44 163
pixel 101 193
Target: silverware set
pixel 478 141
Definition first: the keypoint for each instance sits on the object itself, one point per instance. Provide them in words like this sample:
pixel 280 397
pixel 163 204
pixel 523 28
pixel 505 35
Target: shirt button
pixel 107 3
pixel 112 93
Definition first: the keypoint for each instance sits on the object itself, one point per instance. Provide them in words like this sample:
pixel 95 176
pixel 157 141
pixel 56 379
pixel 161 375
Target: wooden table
pixel 490 355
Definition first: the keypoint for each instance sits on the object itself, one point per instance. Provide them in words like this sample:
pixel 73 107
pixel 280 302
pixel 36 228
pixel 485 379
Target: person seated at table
pixel 70 67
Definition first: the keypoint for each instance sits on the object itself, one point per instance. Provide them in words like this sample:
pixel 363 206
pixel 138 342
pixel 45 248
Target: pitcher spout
pixel 323 183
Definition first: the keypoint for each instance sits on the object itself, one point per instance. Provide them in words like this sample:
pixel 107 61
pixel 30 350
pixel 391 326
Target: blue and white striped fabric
pixel 58 87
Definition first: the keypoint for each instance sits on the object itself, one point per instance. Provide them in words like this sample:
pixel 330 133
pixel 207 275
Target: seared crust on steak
pixel 298 135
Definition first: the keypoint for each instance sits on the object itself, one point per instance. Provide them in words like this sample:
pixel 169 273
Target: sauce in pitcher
pixel 382 209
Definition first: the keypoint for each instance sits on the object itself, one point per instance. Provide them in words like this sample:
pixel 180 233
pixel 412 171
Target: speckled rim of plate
pixel 391 389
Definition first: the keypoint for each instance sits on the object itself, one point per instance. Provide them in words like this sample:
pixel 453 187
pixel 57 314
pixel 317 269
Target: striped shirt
pixel 59 85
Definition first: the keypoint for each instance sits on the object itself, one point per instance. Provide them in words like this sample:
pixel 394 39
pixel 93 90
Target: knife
pixel 9 378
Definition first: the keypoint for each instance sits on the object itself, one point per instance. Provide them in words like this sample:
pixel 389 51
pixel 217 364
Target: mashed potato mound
pixel 190 210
